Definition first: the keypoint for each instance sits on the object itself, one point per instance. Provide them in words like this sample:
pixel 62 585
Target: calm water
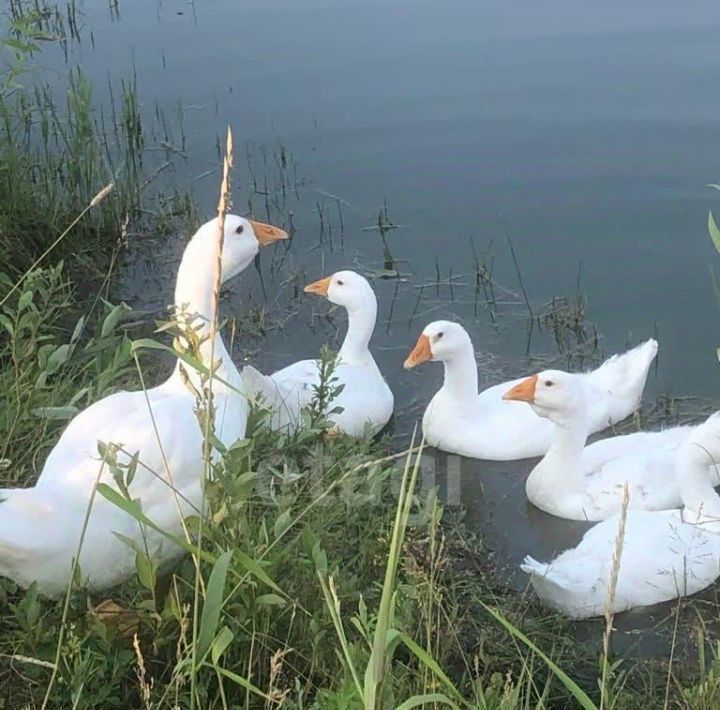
pixel 588 132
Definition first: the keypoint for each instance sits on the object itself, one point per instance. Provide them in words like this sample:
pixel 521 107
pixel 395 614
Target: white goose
pixel 461 421
pixel 366 401
pixel 40 527
pixel 586 483
pixel 665 554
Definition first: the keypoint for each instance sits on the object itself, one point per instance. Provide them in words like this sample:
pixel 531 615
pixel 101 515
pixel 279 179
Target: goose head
pixel 345 288
pixel 243 238
pixel 553 394
pixel 440 341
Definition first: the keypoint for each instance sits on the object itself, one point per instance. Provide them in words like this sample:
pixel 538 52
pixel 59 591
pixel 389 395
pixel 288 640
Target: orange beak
pixel 266 233
pixel 420 353
pixel 523 391
pixel 319 287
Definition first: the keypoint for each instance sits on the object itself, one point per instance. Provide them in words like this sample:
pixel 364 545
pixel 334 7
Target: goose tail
pixel 13 527
pixel 260 389
pixel 624 377
pixel 269 395
pixel 553 590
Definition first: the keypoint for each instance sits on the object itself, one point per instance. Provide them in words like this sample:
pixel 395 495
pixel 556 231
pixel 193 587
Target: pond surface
pixel 583 134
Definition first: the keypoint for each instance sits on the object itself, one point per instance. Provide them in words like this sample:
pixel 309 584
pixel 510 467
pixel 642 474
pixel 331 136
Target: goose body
pixel 365 403
pixel 40 527
pixel 665 554
pixel 581 482
pixel 461 420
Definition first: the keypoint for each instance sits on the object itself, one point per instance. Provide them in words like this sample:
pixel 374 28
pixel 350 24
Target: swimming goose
pixel 484 426
pixel 365 403
pixel 665 554
pixel 586 483
pixel 40 527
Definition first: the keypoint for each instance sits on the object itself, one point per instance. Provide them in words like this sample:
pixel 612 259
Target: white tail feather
pixel 270 394
pixel 624 376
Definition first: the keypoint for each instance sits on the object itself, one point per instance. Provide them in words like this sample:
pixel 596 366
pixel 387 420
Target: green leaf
pixel 256 570
pixel 19 45
pixel 127 540
pixel 714 231
pixel 145 570
pixel 282 523
pixel 132 468
pixel 112 319
pixel 58 358
pixel 78 396
pixel 270 600
pixel 55 413
pixel 220 644
pixel 78 329
pixel 133 509
pixel 213 603
pixel 7 324
pixel 149 344
pixel 25 300
pixel 377 663
pixel 320 559
pixel 578 693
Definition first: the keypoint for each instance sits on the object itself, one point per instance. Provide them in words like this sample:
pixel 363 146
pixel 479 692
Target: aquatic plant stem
pixel 612 587
pixel 223 207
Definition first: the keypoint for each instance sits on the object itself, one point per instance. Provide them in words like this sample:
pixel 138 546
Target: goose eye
pixel 340 283
pixel 549 383
pixel 440 335
pixel 240 229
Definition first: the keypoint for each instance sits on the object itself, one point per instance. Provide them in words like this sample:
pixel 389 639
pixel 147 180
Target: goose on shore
pixel 155 432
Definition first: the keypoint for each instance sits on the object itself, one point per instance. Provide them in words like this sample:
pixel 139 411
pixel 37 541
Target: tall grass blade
pixel 333 605
pixel 576 691
pixel 376 668
pixel 424 657
pixel 242 682
pixel 213 603
pixel 612 587
pixel 254 568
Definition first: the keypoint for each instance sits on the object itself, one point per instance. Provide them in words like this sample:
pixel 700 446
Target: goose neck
pixel 461 376
pixel 361 324
pixel 194 309
pixel 561 468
